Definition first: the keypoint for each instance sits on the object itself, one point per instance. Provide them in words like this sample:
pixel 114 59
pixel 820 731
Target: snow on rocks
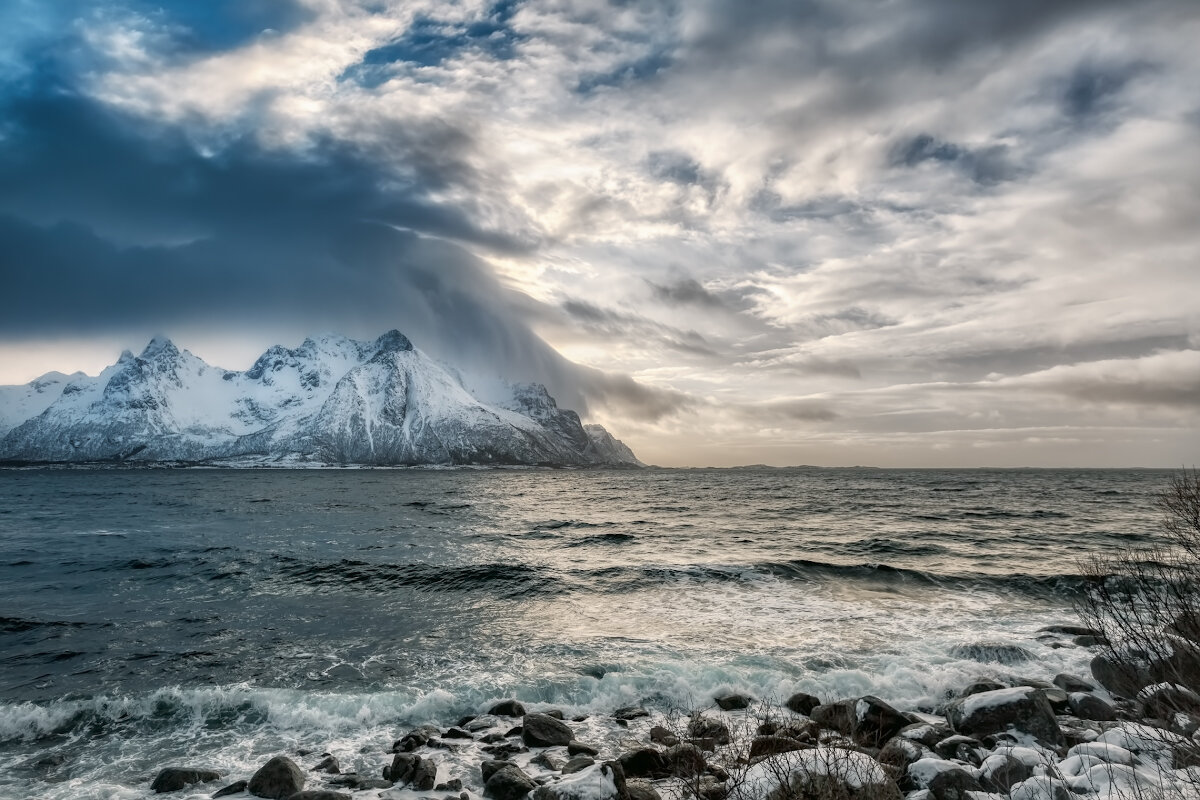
pixel 1021 708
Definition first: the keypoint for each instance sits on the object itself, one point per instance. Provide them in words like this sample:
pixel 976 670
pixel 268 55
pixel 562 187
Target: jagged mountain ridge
pixel 330 400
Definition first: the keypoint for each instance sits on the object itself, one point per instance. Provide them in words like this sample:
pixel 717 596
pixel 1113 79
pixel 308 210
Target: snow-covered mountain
pixel 330 400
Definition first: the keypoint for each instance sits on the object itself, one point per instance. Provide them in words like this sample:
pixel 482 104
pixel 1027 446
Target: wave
pixel 504 580
pixel 21 625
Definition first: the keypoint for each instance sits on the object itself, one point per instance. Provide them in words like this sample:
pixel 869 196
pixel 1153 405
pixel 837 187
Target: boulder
pixel 1164 700
pixel 953 784
pixel 837 716
pixel 237 787
pixel 702 727
pixel 645 762
pixel 960 748
pixel 1021 708
pixel 928 734
pixel 409 769
pixel 577 748
pixel 417 737
pixel 663 736
pixel 507 708
pixel 598 782
pixel 773 745
pixel 1127 671
pixel 998 652
pixel 577 764
pixel 685 759
pixel 981 685
pixel 641 790
pixel 279 778
pixel 1086 705
pixel 733 701
pixel 630 712
pixel 328 764
pixel 489 768
pixel 875 722
pixel 1002 770
pixel 1071 630
pixel 457 733
pixel 901 753
pixel 1072 683
pixel 1040 787
pixel 452 785
pixel 319 794
pixel 540 730
pixel 508 783
pixel 802 703
pixel 547 761
pixel 172 779
pixel 823 772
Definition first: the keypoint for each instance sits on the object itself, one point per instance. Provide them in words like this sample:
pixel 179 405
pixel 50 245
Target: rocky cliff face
pixel 330 400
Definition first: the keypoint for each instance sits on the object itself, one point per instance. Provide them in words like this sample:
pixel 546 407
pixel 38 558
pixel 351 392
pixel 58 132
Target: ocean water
pixel 219 617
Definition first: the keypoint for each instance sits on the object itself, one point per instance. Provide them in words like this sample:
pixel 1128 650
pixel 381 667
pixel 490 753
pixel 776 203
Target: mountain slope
pixel 330 400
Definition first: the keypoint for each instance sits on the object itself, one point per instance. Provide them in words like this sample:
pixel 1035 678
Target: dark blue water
pixel 255 609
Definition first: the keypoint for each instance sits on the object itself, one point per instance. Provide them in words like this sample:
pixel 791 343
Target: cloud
pixel 785 231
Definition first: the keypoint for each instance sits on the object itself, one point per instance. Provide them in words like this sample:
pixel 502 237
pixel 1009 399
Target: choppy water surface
pixel 158 616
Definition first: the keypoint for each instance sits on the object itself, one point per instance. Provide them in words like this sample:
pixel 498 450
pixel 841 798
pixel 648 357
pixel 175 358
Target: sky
pixel 832 232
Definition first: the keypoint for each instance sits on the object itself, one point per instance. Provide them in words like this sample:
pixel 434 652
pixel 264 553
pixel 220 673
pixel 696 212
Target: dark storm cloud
pixel 1092 87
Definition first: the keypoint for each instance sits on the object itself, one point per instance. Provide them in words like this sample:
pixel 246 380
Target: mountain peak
pixel 160 345
pixel 392 342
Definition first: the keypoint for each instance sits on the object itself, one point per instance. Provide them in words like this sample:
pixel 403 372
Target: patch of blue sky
pixel 431 42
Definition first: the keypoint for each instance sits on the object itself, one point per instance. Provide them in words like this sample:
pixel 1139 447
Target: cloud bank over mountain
pixel 928 232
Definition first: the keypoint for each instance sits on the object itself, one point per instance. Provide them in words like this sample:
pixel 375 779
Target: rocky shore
pixel 1118 732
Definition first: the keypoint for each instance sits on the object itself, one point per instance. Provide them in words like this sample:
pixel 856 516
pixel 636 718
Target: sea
pixel 218 617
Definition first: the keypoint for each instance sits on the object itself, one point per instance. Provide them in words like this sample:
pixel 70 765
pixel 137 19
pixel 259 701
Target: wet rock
pixel 953 784
pixel 1002 770
pixel 539 730
pixel 547 761
pixel 1072 683
pixel 508 783
pixel 998 652
pixel 507 708
pixel 660 735
pixel 416 738
pixel 875 722
pixel 645 762
pixel 836 773
pixel 477 724
pixel 452 785
pixel 708 788
pixel 630 712
pixel 641 790
pixel 576 748
pixel 1165 700
pixel 328 763
pixel 1129 671
pixel 1070 630
pixel 802 703
pixel 457 733
pixel 1021 708
pixel 234 788
pixel 928 734
pixel 1089 641
pixel 319 794
pixel 685 759
pixel 489 768
pixel 960 748
pixel 366 784
pixel 773 745
pixel 278 778
pixel 733 701
pixel 504 749
pixel 837 716
pixel 555 713
pixel 901 753
pixel 980 685
pixel 577 764
pixel 1040 787
pixel 516 730
pixel 1086 705
pixel 409 769
pixel 172 779
pixel 702 727
pixel 491 738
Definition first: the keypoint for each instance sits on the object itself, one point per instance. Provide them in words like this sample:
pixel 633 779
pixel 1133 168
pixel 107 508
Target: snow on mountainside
pixel 330 400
